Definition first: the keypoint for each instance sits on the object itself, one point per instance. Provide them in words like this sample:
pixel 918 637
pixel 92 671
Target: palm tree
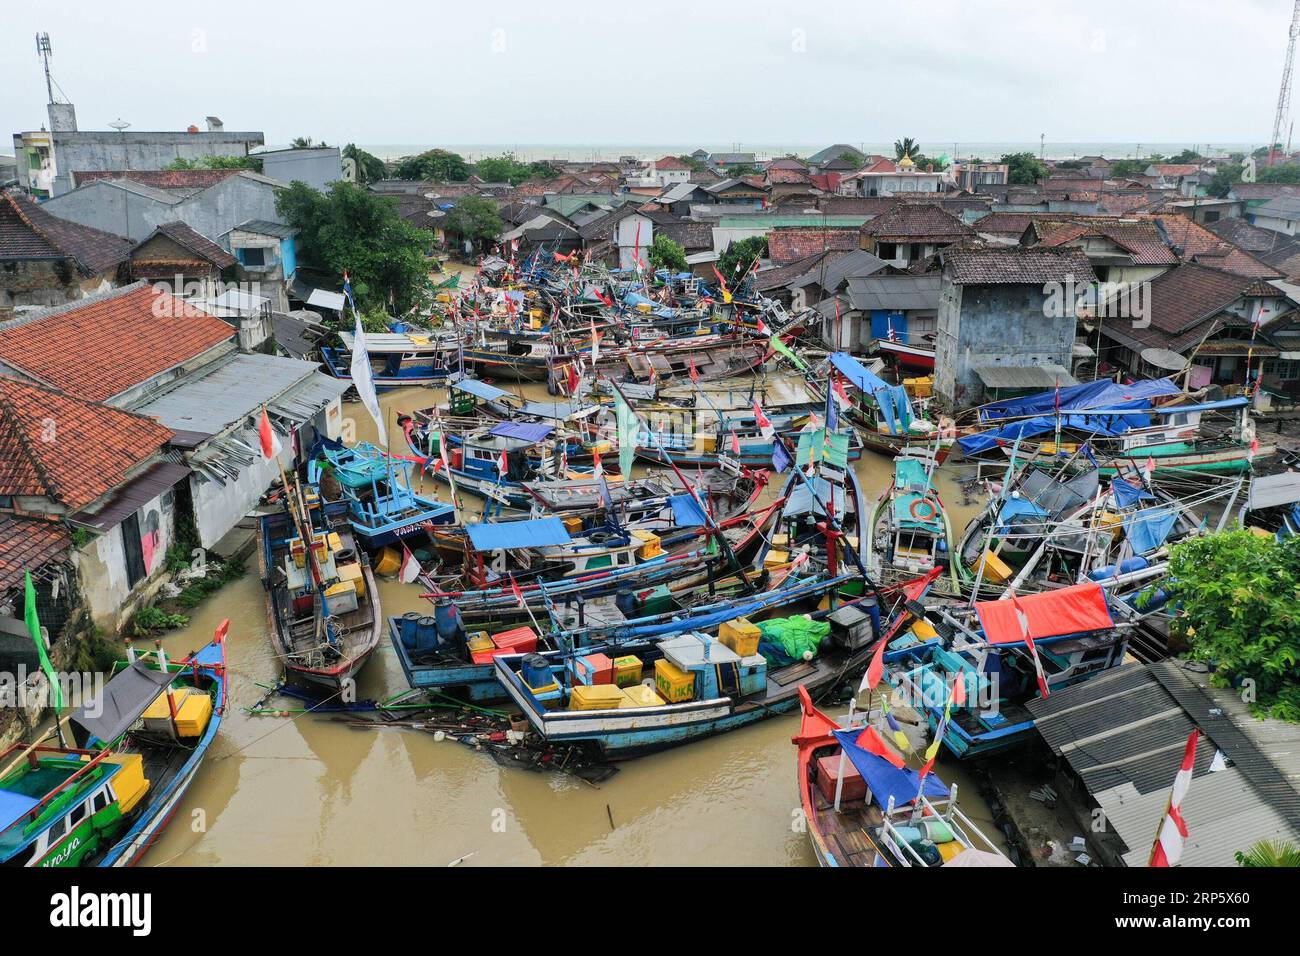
pixel 1270 853
pixel 907 147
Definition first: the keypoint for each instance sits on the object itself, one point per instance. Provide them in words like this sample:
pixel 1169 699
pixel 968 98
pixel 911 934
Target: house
pixel 830 274
pixel 48 160
pixel 1176 175
pixel 1120 250
pixel 997 310
pixel 1274 206
pixel 267 256
pixel 1192 242
pixel 669 170
pixel 679 198
pixel 144 350
pixel 970 176
pixel 1118 741
pixel 740 192
pixel 118 487
pixel 187 264
pixel 317 166
pixel 720 161
pixel 1203 315
pixel 134 204
pixel 881 180
pixel 46 261
pixel 909 232
pixel 787 244
pixel 887 306
pixel 1276 249
pixel 838 151
pixel 551 230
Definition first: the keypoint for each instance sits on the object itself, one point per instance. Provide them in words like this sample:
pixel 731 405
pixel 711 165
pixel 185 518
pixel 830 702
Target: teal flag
pixel 34 628
pixel 627 435
pixel 782 349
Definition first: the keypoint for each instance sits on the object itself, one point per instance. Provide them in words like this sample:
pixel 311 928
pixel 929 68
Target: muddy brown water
pixel 304 789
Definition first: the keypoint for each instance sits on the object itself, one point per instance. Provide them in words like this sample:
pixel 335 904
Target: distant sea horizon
pixel 990 151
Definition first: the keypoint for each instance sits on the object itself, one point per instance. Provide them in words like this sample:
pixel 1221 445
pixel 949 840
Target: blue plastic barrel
pixel 410 628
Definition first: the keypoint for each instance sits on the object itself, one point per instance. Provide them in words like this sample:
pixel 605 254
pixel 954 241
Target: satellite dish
pixel 119 124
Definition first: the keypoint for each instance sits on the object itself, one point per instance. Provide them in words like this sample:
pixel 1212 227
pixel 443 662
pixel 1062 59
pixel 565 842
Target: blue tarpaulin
pixel 1148 528
pixel 524 431
pixel 857 373
pixel 686 511
pixel 479 389
pixel 13 806
pixel 635 299
pixel 883 779
pixel 1077 398
pixel 1020 507
pixel 1030 427
pixel 504 535
pixel 1128 494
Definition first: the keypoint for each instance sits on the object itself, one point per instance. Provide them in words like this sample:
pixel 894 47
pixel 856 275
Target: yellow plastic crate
pixel 595 697
pixel 995 569
pixel 639 695
pixel 673 684
pixel 129 782
pixel 775 558
pixel 352 573
pixel 741 636
pixel 193 710
pixel 627 670
pixel 479 641
pixel 652 546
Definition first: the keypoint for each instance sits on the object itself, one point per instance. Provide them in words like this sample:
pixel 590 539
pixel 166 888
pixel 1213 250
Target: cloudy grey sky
pixel 508 72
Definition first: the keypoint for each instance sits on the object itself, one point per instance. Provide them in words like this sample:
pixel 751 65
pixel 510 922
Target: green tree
pixel 1284 173
pixel 1187 156
pixel 1023 169
pixel 473 218
pixel 666 254
pixel 1124 168
pixel 353 229
pixel 1224 178
pixel 543 169
pixel 306 142
pixel 217 162
pixel 370 168
pixel 1270 853
pixel 438 165
pixel 697 165
pixel 1239 597
pixel 737 170
pixel 907 147
pixel 923 162
pixel 739 257
pixel 503 169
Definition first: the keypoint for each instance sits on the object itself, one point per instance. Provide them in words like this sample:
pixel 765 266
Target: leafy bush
pixel 151 620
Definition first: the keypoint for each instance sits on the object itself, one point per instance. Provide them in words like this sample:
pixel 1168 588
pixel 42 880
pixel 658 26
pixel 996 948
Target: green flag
pixel 627 435
pixel 784 349
pixel 34 628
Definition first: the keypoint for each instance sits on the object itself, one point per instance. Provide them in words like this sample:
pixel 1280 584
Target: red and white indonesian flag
pixel 764 423
pixel 519 595
pixel 595 344
pixel 410 569
pixel 1168 849
pixel 1023 620
pixel 503 463
pixel 841 394
pixel 270 440
pixel 596 467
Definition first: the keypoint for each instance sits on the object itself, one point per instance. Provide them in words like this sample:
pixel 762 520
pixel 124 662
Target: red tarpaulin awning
pixel 1073 610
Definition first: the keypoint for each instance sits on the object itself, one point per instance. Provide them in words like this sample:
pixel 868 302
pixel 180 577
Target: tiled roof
pixel 104 345
pixel 201 246
pixel 1259 191
pixel 1181 300
pixel 1008 223
pixel 766 280
pixel 907 221
pixel 786 244
pixel 670 162
pixel 788 176
pixel 1200 245
pixel 1141 239
pixel 1016 266
pixel 27 232
pixel 690 235
pixel 1176 169
pixel 55 446
pixel 26 544
pixel 160 178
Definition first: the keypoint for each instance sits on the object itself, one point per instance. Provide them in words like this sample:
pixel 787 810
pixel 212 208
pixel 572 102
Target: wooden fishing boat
pixel 398 358
pixel 918 358
pixel 382 506
pixel 139 746
pixel 909 531
pixel 884 414
pixel 883 818
pixel 322 607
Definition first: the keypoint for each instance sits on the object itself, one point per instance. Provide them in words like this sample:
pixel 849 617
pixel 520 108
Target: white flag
pixel 364 383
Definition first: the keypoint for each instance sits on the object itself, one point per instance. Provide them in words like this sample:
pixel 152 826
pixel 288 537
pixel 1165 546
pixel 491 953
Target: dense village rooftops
pixel 1016 266
pixel 199 246
pixel 105 344
pixel 1193 241
pixel 1139 238
pixel 786 244
pixel 71 451
pixel 29 232
pixel 915 222
pixel 28 543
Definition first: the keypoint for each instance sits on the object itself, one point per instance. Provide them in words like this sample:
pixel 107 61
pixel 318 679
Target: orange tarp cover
pixel 1073 610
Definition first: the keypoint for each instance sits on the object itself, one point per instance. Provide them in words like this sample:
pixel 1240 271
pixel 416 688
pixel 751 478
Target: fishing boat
pixel 398 358
pixel 322 607
pixel 383 508
pixel 139 746
pixel 919 358
pixel 909 531
pixel 884 414
pixel 865 807
pixel 1005 653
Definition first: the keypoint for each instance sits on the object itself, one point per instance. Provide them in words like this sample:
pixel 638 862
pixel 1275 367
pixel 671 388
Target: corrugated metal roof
pixel 132 496
pixel 1024 376
pixel 895 293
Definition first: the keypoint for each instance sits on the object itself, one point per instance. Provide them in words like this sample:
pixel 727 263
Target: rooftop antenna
pixel 44 51
pixel 1284 94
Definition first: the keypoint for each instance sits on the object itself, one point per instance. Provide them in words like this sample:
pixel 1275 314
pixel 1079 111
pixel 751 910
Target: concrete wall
pixel 101 565
pixel 42 283
pixel 994 325
pixel 75 152
pixel 218 508
pixel 315 167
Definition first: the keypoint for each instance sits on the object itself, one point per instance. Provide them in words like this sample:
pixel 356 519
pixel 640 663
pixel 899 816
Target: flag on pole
pixel 761 325
pixel 627 433
pixel 1023 620
pixel 781 459
pixel 932 751
pixel 695 375
pixel 347 291
pixel 764 423
pixel 595 344
pixel 1149 468
pixel 363 380
pixel 519 595
pixel 1168 848
pixel 873 743
pixel 34 629
pixel 503 463
pixel 605 496
pixel 832 409
pixel 900 736
pixel 596 467
pixel 735 443
pixel 270 441
pixel 410 569
pixel 841 394
pixel 875 670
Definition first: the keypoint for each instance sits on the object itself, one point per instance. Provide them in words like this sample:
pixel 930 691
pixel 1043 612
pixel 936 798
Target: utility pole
pixel 1042 138
pixel 44 52
pixel 1284 93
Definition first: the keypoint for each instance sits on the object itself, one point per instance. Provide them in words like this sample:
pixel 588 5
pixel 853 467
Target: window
pixel 77 815
pixel 1212 216
pixel 57 831
pixel 100 801
pixel 253 256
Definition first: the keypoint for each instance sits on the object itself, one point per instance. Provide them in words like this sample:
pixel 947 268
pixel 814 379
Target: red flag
pixel 519 595
pixel 735 443
pixel 871 742
pixel 270 442
pixel 876 669
pixel 764 423
pixel 695 376
pixel 596 466
pixel 503 463
pixel 1168 848
pixel 573 380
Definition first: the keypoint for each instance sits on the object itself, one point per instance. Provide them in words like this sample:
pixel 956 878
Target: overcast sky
pixel 504 71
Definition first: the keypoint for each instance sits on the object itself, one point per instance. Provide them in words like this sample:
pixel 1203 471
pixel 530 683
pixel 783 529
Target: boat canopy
pixel 884 781
pixel 892 400
pixel 1269 491
pixel 820 445
pixel 1098 425
pixel 1128 494
pixel 124 699
pixel 507 535
pixel 1147 529
pixel 686 511
pixel 1019 507
pixel 857 373
pixel 1090 395
pixel 524 431
pixel 483 390
pixel 802 501
pixel 13 807
pixel 1078 609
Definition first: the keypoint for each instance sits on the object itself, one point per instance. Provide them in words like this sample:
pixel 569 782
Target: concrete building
pixel 268 257
pixel 134 205
pixel 47 161
pixel 996 310
pixel 317 166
